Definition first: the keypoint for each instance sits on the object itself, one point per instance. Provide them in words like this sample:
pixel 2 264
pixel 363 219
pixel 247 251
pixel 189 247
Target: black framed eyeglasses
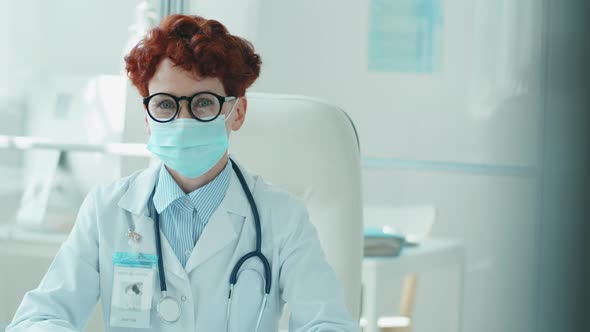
pixel 204 106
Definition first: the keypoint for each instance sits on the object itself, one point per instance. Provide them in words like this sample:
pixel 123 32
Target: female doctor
pixel 195 243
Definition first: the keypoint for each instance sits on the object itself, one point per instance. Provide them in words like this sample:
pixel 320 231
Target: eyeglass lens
pixel 203 106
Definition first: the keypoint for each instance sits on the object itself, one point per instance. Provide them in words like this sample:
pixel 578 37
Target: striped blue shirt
pixel 183 217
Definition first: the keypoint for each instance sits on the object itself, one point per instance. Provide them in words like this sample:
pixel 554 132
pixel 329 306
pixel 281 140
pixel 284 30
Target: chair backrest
pixel 310 148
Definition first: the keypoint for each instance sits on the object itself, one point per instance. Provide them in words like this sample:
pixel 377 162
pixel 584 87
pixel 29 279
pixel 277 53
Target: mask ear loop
pixel 232 109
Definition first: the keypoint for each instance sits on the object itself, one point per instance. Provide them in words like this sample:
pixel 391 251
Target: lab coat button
pixel 183 298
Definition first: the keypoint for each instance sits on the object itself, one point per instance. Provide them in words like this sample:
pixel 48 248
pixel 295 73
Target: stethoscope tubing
pixel 256 253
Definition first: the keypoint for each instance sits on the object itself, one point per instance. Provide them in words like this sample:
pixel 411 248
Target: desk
pixel 430 255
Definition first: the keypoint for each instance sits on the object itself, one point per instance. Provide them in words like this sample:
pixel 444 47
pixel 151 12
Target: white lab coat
pixel 82 271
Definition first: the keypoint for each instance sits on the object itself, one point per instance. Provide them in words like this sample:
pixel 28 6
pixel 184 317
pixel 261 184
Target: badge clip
pixel 133 235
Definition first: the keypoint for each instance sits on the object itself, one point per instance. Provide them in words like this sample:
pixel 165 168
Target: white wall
pixel 320 48
pixel 83 37
pixel 58 38
pixel 62 37
pixel 464 139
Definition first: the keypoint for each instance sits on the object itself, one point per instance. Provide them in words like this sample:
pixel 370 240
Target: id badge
pixel 133 289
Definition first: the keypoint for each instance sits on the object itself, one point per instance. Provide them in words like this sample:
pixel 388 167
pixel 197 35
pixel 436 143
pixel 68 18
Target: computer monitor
pixel 81 110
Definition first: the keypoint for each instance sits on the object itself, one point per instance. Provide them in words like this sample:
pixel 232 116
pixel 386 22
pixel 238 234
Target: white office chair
pixel 310 148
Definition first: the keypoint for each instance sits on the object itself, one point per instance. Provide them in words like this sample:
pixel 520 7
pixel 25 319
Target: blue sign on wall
pixel 405 35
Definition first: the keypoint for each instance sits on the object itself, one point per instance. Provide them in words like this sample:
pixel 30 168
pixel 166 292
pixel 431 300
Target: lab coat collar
pixel 140 190
pixel 220 230
pixel 135 199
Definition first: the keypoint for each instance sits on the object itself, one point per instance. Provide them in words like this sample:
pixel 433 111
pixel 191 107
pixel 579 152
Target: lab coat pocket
pixel 246 300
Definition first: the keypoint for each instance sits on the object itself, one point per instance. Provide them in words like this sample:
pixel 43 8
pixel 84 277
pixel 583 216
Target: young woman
pixel 213 246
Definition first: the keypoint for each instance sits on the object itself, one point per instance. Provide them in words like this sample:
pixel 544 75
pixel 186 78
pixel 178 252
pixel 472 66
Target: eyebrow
pixel 189 95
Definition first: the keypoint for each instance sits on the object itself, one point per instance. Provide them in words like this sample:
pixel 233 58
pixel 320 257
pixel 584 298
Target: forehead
pixel 172 79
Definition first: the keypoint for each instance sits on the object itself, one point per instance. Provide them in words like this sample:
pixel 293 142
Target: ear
pixel 147 125
pixel 240 114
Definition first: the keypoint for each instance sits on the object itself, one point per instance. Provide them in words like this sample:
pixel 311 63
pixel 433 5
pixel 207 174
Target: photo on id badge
pixel 131 297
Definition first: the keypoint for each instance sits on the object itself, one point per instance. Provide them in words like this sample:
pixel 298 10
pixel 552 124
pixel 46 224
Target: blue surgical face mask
pixel 188 146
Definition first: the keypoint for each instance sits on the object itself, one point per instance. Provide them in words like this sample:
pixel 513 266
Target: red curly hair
pixel 201 46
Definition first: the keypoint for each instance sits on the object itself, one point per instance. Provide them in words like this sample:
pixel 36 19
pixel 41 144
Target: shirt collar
pixel 205 199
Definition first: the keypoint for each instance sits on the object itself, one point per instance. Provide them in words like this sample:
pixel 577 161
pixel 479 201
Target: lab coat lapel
pixel 144 225
pixel 140 190
pixel 171 262
pixel 135 200
pixel 220 231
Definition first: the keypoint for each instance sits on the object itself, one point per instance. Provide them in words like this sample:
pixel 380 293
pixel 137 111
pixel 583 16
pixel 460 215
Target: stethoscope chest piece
pixel 168 309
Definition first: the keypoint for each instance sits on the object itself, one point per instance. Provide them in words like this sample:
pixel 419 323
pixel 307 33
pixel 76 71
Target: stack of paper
pixel 381 243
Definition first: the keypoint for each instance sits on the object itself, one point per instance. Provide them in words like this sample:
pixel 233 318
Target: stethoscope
pixel 168 307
